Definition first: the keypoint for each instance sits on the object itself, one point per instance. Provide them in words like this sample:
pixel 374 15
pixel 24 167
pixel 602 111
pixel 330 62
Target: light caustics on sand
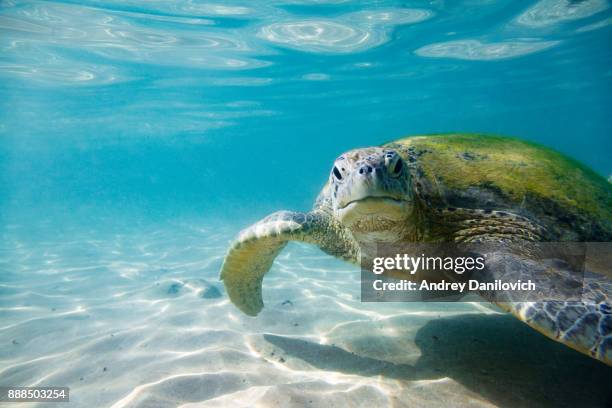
pixel 480 51
pixel 179 345
pixel 133 314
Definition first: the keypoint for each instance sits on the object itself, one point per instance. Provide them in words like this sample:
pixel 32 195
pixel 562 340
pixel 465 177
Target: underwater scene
pixel 139 138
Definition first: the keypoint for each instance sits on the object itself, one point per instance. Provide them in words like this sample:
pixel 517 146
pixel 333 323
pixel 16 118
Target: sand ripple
pixel 138 319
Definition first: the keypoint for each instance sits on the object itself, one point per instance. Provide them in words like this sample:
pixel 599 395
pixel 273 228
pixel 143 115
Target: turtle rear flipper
pixel 256 247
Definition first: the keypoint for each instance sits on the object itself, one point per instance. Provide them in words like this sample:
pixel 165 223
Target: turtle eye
pixel 398 166
pixel 337 173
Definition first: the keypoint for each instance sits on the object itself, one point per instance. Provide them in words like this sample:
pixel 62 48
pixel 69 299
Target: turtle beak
pixel 373 208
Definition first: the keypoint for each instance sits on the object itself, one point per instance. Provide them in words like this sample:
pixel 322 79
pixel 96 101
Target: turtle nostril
pixel 365 169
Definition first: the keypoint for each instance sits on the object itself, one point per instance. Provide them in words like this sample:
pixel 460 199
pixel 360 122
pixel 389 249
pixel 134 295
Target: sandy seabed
pixel 140 319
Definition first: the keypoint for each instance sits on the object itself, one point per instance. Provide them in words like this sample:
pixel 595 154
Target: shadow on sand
pixel 495 356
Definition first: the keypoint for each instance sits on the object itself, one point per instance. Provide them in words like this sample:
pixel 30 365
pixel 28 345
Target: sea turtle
pixel 450 188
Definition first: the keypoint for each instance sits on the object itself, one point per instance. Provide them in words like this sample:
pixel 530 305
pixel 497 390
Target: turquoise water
pixel 137 138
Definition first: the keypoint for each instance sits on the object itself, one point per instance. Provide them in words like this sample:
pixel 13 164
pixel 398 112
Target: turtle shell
pixel 493 173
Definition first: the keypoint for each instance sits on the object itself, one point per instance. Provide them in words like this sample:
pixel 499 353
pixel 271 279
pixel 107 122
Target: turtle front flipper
pixel 568 305
pixel 256 247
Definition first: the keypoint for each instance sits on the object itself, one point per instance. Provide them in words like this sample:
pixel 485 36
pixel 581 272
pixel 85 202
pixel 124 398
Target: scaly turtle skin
pixel 453 188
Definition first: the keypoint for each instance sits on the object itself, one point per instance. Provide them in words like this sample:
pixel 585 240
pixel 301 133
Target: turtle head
pixel 370 189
